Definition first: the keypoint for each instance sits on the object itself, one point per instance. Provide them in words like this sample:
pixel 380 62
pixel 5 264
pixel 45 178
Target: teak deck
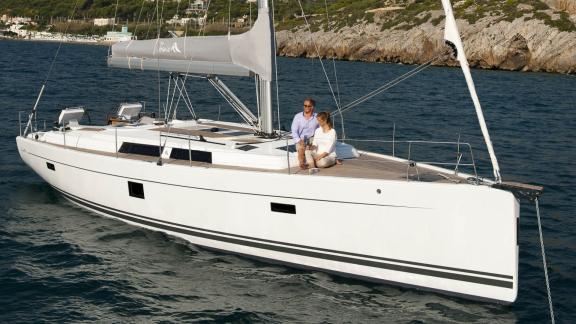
pixel 363 167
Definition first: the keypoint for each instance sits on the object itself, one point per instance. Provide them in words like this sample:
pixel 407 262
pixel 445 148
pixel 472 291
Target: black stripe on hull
pixel 284 249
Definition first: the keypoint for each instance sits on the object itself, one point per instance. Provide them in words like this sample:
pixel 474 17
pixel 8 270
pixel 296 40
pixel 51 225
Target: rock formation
pixel 523 43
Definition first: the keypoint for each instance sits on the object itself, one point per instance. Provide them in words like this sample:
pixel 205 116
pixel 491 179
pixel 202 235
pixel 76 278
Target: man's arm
pixel 296 129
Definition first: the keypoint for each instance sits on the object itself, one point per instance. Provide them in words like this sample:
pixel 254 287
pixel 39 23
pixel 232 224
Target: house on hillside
pixel 119 36
pixel 16 20
pixel 103 21
pixel 196 7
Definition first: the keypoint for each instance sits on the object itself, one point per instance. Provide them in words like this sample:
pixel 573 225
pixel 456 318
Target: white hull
pixel 457 239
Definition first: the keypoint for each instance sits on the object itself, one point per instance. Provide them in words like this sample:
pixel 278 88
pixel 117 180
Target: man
pixel 303 127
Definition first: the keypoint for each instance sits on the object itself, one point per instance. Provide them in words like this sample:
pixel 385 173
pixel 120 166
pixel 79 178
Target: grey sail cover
pixel 240 55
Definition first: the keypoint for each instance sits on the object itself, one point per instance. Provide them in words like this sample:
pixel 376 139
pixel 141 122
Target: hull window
pixel 283 208
pixel 140 149
pixel 136 189
pixel 197 156
pixel 50 166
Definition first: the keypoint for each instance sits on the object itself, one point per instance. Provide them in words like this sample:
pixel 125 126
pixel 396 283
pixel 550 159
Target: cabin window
pixel 197 156
pixel 283 208
pixel 50 166
pixel 140 149
pixel 136 189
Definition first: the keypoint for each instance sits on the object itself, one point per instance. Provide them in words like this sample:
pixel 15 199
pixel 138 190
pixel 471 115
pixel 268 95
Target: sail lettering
pixel 169 49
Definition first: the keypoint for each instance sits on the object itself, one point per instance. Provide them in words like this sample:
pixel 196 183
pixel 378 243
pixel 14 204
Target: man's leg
pixel 326 162
pixel 301 155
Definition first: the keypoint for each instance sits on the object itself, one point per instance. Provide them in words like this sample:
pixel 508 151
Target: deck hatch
pixel 140 149
pixel 197 156
pixel 283 208
pixel 291 148
pixel 237 133
pixel 247 147
pixel 136 189
pixel 50 166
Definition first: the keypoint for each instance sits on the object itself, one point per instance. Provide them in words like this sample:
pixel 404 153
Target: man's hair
pixel 311 101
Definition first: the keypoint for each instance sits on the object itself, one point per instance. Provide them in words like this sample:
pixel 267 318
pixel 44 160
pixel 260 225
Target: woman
pixel 322 153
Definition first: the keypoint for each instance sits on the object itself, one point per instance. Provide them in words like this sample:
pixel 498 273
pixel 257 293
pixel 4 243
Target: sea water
pixel 60 263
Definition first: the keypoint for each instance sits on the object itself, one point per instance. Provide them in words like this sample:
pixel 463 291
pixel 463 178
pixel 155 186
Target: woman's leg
pixel 326 162
pixel 310 158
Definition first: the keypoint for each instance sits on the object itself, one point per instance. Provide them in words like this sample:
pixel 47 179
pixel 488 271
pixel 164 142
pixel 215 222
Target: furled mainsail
pixel 238 55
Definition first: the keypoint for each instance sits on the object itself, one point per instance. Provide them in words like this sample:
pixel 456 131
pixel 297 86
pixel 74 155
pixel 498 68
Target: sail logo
pixel 170 49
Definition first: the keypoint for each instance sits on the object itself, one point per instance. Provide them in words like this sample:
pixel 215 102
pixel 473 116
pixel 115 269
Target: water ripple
pixel 63 264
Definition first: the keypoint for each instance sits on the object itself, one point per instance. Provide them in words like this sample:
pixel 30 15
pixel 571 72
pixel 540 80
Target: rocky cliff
pixel 523 39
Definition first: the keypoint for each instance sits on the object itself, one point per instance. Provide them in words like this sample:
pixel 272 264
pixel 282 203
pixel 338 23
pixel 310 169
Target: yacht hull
pixel 452 238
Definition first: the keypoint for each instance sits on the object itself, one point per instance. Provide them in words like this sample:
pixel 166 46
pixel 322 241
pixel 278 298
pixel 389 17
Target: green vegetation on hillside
pixel 509 10
pixel 342 13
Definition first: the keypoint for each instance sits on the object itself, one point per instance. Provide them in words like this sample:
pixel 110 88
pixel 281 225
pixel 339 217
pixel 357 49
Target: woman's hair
pixel 325 116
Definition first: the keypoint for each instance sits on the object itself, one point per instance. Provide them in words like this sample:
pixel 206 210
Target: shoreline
pixel 80 42
pixel 281 53
pixel 518 45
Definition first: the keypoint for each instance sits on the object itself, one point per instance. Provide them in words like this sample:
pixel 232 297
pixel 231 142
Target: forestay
pixel 238 55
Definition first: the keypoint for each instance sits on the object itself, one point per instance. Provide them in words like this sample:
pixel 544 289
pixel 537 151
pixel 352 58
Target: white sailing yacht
pixel 236 187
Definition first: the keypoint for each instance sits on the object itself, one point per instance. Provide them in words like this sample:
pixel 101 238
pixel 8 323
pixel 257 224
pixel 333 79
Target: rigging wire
pixel 387 85
pixel 183 94
pixel 318 54
pixel 543 250
pixel 139 17
pixel 182 88
pixel 186 25
pixel 166 109
pixel 159 27
pixel 113 26
pixel 275 69
pixel 203 28
pixel 160 16
pixel 60 44
pixel 335 73
pixel 32 114
pixel 150 21
pixel 115 15
pixel 177 11
pixel 229 13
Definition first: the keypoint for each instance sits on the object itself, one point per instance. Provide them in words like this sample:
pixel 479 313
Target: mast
pixel 265 86
pixel 452 37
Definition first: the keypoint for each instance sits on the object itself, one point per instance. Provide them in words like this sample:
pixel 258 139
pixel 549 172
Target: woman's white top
pixel 325 142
